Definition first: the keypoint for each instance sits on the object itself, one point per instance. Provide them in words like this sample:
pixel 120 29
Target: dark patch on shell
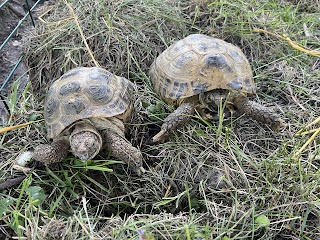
pixel 235 84
pixel 199 88
pixel 217 61
pixel 167 86
pixel 126 95
pixel 51 106
pixel 164 91
pixel 247 82
pixel 74 107
pixel 160 88
pixel 107 111
pixel 117 105
pixel 182 89
pixel 203 47
pixel 181 61
pixel 185 59
pixel 69 88
pixel 215 45
pixel 172 94
pixel 127 90
pixel 179 89
pixel 248 85
pixel 99 93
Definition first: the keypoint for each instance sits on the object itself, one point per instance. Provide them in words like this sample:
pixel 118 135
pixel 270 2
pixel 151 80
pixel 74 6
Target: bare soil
pixel 10 15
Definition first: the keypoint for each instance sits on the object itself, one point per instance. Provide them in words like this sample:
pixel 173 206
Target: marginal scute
pixel 71 73
pixel 182 88
pixel 85 92
pixel 235 85
pixel 106 110
pixel 52 128
pixel 117 105
pixel 199 87
pixel 197 64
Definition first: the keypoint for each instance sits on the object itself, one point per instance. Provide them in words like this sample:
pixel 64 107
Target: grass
pixel 230 179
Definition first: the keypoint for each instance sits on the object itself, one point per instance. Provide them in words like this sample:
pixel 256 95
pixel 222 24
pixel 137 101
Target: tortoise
pixel 200 72
pixel 84 108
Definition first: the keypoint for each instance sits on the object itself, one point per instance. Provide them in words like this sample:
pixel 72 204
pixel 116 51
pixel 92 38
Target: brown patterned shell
pixel 85 92
pixel 197 64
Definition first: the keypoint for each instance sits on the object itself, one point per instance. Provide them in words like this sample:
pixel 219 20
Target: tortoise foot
pixel 51 153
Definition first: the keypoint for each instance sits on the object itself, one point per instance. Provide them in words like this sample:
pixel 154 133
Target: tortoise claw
pixel 140 170
pixel 159 137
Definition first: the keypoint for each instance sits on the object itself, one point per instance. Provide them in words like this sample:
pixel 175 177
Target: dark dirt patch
pixel 10 54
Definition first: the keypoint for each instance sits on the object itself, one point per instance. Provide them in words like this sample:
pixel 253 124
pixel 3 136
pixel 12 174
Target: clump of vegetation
pixel 230 179
pixel 124 37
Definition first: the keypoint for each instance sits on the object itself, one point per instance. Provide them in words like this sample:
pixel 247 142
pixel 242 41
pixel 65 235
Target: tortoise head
pixel 85 141
pixel 212 98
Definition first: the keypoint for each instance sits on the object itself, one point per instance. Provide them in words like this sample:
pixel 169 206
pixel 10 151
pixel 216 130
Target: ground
pixel 10 15
pixel 228 179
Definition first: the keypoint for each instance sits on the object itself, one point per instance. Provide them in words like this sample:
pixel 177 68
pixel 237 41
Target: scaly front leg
pixel 122 149
pixel 52 153
pixel 175 120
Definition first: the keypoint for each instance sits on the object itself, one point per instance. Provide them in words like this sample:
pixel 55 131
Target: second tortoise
pixel 85 109
pixel 198 72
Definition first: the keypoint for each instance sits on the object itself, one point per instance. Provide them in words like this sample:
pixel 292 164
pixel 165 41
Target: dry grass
pixel 209 180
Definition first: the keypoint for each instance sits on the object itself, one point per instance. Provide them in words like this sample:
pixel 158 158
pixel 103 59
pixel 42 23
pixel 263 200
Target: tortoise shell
pixel 85 92
pixel 197 64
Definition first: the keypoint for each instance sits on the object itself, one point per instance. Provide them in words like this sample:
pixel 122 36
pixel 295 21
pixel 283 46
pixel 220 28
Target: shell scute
pixel 99 93
pixel 69 88
pixel 237 85
pixel 74 106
